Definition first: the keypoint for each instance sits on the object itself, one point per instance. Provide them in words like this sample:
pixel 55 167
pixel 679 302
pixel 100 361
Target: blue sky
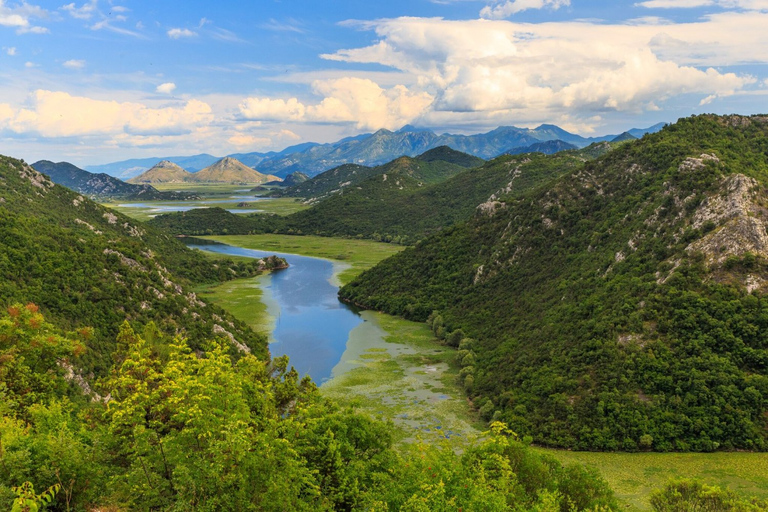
pixel 98 81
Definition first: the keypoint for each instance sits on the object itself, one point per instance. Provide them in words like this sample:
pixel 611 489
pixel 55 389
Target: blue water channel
pixel 312 326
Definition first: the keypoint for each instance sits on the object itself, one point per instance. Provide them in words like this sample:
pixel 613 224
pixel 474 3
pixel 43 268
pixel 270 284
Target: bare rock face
pixel 738 217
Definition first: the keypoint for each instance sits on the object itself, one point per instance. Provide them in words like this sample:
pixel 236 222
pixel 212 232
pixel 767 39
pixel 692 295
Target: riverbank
pixel 397 371
pixel 355 256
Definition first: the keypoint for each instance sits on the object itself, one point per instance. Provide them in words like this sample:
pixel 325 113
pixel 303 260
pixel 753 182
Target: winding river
pixel 311 325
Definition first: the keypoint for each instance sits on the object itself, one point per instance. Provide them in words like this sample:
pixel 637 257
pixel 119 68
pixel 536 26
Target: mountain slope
pixel 329 182
pixel 126 169
pixel 397 202
pixel 611 310
pixel 383 146
pixel 163 172
pixel 230 170
pixel 549 147
pixel 87 266
pixel 101 185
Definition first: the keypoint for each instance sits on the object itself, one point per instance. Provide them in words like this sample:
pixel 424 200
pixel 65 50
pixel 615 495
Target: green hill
pixel 163 172
pixel 87 266
pixel 328 183
pixel 397 203
pixel 230 170
pixel 622 307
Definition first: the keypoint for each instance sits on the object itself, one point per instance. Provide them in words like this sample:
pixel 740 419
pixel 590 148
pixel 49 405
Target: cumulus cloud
pixel 749 5
pixel 84 12
pixel 19 17
pixel 484 69
pixel 178 33
pixel 507 8
pixel 166 88
pixel 74 64
pixel 59 114
pixel 242 140
pixel 10 51
pixel 356 101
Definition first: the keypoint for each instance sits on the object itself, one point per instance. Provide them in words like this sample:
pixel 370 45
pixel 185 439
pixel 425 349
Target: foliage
pixel 594 324
pixel 28 501
pixel 685 495
pixel 197 430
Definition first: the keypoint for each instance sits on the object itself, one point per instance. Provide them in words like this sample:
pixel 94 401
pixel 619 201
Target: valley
pixel 396 369
pixel 603 303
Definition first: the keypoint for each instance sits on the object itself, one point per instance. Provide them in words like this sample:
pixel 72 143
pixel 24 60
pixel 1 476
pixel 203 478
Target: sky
pixel 99 81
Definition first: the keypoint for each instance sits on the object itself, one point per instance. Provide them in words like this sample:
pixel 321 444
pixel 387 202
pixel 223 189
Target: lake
pixel 311 326
pixel 159 207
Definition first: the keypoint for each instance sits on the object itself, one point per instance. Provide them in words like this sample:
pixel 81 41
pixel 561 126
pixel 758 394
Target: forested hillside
pixel 622 307
pixel 400 202
pixel 86 266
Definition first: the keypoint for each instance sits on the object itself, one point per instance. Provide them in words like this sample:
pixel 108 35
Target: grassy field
pixel 359 255
pixel 145 210
pixel 633 476
pixel 396 370
pixel 243 298
pixel 204 189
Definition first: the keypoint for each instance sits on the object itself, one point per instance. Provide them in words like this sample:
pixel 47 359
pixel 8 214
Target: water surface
pixel 312 326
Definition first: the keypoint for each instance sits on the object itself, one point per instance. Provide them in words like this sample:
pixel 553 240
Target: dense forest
pixel 619 308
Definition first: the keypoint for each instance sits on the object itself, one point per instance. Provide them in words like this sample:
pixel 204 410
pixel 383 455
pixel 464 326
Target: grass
pixel 396 370
pixel 278 206
pixel 244 299
pixel 633 476
pixel 356 255
pixel 204 189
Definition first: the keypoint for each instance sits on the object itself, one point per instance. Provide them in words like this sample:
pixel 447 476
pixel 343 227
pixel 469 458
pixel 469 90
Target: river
pixel 311 325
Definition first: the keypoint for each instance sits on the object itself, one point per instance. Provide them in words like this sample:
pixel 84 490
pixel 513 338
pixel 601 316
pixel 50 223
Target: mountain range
pixel 226 170
pixel 372 149
pixel 103 185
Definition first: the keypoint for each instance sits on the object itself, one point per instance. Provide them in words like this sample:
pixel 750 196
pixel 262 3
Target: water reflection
pixel 313 326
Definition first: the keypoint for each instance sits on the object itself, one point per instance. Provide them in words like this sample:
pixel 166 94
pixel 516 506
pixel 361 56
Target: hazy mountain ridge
pixel 372 149
pixel 102 185
pixel 623 306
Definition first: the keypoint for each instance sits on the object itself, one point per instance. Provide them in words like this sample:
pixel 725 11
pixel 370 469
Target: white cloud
pixel 10 50
pixel 19 17
pixel 748 5
pixel 85 12
pixel 496 70
pixel 243 140
pixel 507 8
pixel 178 33
pixel 59 114
pixel 74 64
pixel 356 101
pixel 166 88
pixel 30 64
